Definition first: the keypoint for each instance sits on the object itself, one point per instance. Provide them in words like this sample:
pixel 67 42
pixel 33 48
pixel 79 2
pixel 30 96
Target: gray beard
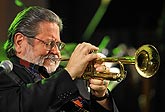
pixel 29 56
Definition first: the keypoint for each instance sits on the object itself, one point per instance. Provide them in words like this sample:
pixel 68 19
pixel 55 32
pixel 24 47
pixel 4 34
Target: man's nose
pixel 54 50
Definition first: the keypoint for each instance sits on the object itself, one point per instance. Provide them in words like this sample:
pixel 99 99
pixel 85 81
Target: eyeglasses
pixel 51 44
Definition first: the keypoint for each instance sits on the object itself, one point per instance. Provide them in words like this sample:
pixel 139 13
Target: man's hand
pixel 80 59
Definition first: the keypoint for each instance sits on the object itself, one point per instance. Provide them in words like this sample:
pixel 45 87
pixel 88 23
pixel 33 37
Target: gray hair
pixel 26 22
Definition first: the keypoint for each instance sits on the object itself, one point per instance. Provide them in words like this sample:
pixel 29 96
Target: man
pixel 37 83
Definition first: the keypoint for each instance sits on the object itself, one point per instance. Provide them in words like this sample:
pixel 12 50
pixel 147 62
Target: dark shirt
pixel 25 90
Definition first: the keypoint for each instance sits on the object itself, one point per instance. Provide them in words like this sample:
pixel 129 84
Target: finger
pixel 106 82
pixel 90 57
pixel 102 68
pixel 101 87
pixel 97 88
pixel 99 82
pixel 97 85
pixel 87 48
pixel 96 81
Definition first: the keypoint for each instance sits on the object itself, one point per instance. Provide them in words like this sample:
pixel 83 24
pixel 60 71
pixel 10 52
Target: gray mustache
pixel 51 56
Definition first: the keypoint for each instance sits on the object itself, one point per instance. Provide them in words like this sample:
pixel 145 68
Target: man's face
pixel 36 51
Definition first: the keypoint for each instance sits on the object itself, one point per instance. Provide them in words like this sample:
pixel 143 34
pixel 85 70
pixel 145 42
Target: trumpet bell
pixel 147 60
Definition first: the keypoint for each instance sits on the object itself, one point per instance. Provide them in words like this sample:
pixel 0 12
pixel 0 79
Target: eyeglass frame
pixel 59 45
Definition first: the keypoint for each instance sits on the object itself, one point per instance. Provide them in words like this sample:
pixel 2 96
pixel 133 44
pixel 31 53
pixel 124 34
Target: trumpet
pixel 146 61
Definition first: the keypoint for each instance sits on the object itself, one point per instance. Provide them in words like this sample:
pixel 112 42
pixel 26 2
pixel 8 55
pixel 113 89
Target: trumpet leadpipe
pixel 61 59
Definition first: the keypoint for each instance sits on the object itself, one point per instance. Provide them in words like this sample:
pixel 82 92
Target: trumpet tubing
pixel 146 61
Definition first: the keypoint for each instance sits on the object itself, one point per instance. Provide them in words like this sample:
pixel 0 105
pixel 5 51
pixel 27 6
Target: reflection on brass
pixel 146 61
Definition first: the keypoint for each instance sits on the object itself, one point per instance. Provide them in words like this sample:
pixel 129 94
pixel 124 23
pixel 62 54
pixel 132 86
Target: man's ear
pixel 18 42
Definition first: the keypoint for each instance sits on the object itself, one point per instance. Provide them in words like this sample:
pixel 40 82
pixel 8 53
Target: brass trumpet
pixel 146 61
